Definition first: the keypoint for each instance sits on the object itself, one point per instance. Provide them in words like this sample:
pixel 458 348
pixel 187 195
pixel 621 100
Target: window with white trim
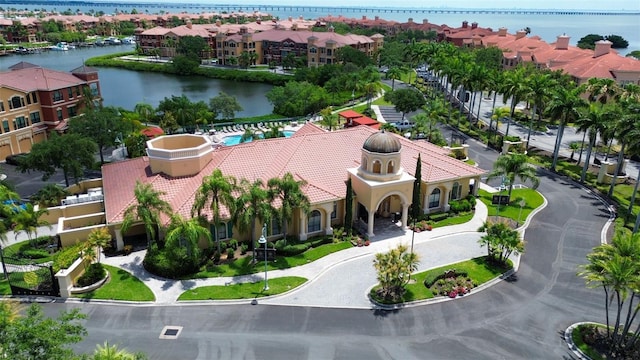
pixel 434 199
pixel 314 223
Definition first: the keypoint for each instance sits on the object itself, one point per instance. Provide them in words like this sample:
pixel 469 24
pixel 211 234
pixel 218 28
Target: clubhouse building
pixel 381 166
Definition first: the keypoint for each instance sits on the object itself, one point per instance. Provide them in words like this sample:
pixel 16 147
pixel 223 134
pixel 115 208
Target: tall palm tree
pixel 538 87
pixel 287 191
pixel 592 121
pixel 252 205
pixel 216 191
pixel 626 130
pixel 616 269
pixel 513 166
pixel 148 209
pixel 565 105
pixel 513 87
pixel 394 73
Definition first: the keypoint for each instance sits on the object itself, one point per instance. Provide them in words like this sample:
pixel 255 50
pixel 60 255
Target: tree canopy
pixel 102 125
pixel 589 41
pixel 297 98
pixel 71 153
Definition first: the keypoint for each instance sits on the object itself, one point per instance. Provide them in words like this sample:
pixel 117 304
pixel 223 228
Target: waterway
pixel 126 88
pixel 547 26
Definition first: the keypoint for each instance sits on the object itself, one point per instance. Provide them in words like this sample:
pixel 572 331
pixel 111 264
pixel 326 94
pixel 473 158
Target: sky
pixel 473 4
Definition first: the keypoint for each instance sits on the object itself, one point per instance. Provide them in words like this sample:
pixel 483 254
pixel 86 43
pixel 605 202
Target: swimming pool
pixel 235 139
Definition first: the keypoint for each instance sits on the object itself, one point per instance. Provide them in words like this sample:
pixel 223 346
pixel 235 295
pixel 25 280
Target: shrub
pixel 230 253
pixel 66 257
pixel 127 249
pixel 438 216
pixel 223 246
pixel 291 249
pixel 452 273
pixel 169 263
pixel 93 274
pixel 321 241
pixel 244 248
pixel 233 244
pixel 43 241
pixel 34 253
pixel 458 206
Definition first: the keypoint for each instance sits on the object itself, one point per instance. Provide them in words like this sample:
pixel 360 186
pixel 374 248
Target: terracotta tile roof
pixel 84 69
pixel 603 66
pixel 350 114
pixel 38 78
pixel 23 65
pixel 320 158
pixel 302 36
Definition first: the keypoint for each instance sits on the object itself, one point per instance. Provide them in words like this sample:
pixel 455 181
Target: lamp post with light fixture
pixel 263 240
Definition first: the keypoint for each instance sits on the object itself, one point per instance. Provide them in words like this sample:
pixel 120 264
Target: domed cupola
pixel 381 158
pixel 382 142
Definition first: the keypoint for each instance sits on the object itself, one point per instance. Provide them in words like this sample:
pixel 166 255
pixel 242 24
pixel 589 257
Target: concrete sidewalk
pixel 340 279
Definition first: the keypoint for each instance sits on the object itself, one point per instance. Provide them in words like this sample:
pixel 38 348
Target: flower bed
pixel 450 283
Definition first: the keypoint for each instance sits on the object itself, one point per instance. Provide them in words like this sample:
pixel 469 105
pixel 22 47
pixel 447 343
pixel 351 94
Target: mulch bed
pixel 495 219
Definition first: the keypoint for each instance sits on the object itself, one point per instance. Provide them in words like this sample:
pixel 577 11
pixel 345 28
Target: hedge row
pixel 431 279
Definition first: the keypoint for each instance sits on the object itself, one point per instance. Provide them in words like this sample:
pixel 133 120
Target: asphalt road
pixel 519 319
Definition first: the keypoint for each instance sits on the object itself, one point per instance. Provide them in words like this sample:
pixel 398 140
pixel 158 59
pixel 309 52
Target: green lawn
pixel 121 286
pixel 243 291
pixel 477 269
pixel 5 289
pixel 532 199
pixel 453 220
pixel 576 335
pixel 243 265
pixel 14 249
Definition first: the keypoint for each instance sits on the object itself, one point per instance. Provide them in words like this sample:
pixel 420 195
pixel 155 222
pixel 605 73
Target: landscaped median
pixel 444 280
pixel 243 290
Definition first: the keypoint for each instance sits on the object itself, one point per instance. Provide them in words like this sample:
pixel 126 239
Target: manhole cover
pixel 170 332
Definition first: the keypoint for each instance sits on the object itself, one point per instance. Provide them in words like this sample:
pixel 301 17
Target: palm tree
pixel 112 352
pixel 288 192
pixel 252 205
pixel 145 111
pixel 537 85
pixel 328 118
pixel 99 238
pixel 565 104
pixel 501 241
pixel 513 86
pixel 216 191
pixel 248 135
pixel 148 208
pixel 626 130
pixel 50 195
pixel 27 219
pixel 394 73
pixel 616 269
pixel 186 234
pixel 591 122
pixel 512 166
pixel 574 146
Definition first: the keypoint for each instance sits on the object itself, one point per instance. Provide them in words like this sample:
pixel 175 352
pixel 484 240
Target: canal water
pixel 126 88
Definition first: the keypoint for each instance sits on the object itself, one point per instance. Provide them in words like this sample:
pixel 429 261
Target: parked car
pixel 403 125
pixel 15 159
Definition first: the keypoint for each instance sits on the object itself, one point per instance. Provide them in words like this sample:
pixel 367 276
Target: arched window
pixel 434 199
pixel 390 167
pixel 314 222
pixel 377 165
pixel 455 191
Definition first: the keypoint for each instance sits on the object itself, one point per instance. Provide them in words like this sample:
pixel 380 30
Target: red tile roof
pixel 37 78
pixel 320 158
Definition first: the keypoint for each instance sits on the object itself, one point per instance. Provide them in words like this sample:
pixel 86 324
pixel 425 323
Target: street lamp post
pixel 263 240
pixel 522 203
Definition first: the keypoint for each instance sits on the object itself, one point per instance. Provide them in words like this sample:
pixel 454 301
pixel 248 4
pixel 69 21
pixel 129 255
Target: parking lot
pixel 27 184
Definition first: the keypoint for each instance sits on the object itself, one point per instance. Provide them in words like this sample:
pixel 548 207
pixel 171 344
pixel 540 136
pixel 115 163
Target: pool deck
pixel 218 136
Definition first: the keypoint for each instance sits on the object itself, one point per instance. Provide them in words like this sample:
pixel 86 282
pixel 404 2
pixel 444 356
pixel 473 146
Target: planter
pixel 86 289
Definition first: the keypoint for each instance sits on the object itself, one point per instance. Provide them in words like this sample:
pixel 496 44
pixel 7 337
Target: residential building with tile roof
pixel 581 64
pixel 34 100
pixel 383 178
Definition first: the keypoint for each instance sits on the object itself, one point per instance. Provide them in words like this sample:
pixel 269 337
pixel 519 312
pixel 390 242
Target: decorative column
pixel 447 193
pixel 370 223
pixel 405 214
pixel 476 186
pixel 303 226
pixel 119 240
pixel 328 208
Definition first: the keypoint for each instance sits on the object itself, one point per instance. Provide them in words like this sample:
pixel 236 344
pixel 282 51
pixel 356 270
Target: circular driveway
pixel 521 319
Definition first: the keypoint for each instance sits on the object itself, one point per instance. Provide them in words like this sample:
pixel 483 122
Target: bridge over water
pixel 198 7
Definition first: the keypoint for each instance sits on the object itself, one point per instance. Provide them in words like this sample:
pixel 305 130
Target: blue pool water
pixel 235 139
